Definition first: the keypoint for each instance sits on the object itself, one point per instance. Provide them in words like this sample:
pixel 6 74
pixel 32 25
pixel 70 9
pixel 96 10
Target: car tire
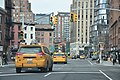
pixel 65 62
pixel 18 70
pixel 45 69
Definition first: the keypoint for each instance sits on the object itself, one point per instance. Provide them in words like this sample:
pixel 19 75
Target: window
pixel 50 34
pixel 31 28
pixel 86 39
pixel 0 36
pixel 25 35
pixel 38 39
pixel 119 30
pixel 46 50
pixel 119 41
pixel 42 34
pixel 42 40
pixel 0 18
pixel 38 33
pixel 25 28
pixel 0 28
pixel 50 40
pixel 82 40
pixel 31 36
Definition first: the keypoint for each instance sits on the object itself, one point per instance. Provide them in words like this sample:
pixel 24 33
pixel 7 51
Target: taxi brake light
pixel 63 56
pixel 18 53
pixel 54 56
pixel 41 53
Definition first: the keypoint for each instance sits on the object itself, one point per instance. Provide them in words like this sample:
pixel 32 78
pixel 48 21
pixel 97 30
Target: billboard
pixel 2 4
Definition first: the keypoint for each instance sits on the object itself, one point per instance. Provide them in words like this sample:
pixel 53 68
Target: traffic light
pixel 75 17
pixel 55 20
pixel 51 21
pixel 22 34
pixel 71 16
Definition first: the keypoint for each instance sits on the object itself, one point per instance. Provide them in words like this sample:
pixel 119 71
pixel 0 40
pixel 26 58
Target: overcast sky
pixel 48 6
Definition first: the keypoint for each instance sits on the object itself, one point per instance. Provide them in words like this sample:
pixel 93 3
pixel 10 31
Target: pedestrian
pixel 5 58
pixel 114 58
pixel 119 58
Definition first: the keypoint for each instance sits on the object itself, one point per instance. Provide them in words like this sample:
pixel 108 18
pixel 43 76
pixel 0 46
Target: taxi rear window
pixel 58 54
pixel 30 50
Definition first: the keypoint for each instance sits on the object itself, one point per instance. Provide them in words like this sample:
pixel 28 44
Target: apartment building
pixel 62 30
pixel 21 16
pixel 22 8
pixel 80 36
pixel 29 33
pixel 44 34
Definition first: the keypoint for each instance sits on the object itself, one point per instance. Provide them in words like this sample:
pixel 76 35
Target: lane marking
pixel 74 72
pixel 47 74
pixel 2 75
pixel 1 72
pixel 90 62
pixel 105 75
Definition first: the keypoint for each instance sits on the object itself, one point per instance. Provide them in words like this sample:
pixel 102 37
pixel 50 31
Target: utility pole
pixel 101 46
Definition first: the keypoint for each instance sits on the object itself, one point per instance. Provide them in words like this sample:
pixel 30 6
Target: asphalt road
pixel 76 69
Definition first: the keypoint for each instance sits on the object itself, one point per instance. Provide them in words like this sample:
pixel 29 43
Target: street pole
pixel 101 46
pixel 1 53
pixel 22 21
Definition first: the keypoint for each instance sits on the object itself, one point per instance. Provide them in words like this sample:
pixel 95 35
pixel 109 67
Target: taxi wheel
pixel 18 70
pixel 65 62
pixel 45 69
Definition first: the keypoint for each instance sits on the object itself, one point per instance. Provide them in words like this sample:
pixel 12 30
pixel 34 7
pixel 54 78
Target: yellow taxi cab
pixel 82 56
pixel 59 57
pixel 33 56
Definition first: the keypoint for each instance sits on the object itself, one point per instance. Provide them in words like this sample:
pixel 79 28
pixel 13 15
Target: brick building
pixel 114 25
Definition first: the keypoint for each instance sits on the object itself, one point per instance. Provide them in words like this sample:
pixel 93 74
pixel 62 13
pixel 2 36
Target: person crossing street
pixel 114 58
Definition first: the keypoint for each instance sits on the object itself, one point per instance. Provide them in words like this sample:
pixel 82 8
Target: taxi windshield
pixel 30 50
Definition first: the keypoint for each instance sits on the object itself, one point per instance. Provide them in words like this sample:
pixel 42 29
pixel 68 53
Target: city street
pixel 76 69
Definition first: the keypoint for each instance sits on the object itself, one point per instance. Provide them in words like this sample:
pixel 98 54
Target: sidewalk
pixel 109 63
pixel 10 64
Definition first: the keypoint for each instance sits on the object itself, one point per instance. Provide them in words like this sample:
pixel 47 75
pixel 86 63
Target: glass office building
pixel 99 30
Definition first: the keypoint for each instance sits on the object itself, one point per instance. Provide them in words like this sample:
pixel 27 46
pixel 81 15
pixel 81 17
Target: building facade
pixel 2 26
pixel 22 11
pixel 99 31
pixel 44 34
pixel 80 29
pixel 5 23
pixel 21 15
pixel 114 25
pixel 29 33
pixel 62 29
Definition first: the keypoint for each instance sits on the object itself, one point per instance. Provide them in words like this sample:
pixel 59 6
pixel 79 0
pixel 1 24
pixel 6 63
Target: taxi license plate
pixel 29 62
pixel 29 59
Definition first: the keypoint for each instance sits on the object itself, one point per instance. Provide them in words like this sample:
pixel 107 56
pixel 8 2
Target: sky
pixel 49 6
